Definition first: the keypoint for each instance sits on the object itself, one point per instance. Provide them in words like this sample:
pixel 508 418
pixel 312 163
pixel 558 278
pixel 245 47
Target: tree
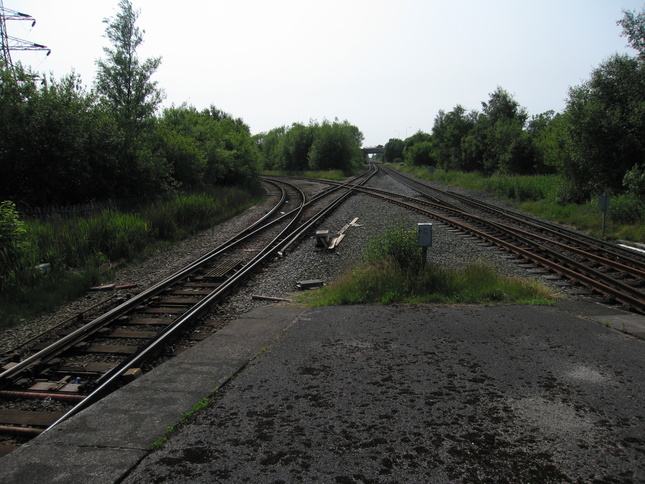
pixel 550 134
pixel 58 146
pixel 448 131
pixel 295 147
pixel 207 147
pixel 270 144
pixel 393 150
pixel 502 106
pixel 124 81
pixel 633 25
pixel 419 154
pixel 336 146
pixel 498 141
pixel 606 127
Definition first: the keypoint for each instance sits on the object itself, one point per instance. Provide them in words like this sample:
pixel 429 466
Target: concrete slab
pixel 364 366
pixel 67 464
pixel 103 442
pixel 612 317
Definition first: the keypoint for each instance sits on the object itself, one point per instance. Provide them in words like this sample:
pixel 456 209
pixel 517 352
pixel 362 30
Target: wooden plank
pixel 202 284
pixel 20 417
pixel 123 333
pixel 164 310
pixel 189 292
pixel 147 322
pixel 80 369
pixel 336 241
pixel 178 301
pixel 115 349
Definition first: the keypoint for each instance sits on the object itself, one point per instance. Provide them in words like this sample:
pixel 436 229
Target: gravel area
pixel 303 262
pixel 306 262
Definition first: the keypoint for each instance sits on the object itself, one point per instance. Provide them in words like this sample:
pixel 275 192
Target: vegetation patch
pixel 161 441
pixel 538 195
pixel 392 272
pixel 73 250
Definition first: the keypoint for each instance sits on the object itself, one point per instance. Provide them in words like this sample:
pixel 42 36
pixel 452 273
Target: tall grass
pixel 75 249
pixel 391 273
pixel 537 195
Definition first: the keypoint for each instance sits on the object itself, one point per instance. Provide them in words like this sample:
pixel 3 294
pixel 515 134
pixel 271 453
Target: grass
pixel 161 441
pixel 75 249
pixel 537 195
pixel 383 282
pixel 392 272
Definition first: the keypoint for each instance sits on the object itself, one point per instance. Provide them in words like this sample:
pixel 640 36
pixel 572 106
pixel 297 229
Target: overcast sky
pixel 387 67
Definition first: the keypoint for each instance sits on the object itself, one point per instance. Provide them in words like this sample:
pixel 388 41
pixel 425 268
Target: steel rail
pixel 110 378
pixel 544 225
pixel 602 283
pixel 617 265
pixel 350 186
pixel 74 337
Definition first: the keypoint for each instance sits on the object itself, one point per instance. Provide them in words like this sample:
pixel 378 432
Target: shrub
pixel 14 248
pixel 626 209
pixel 398 245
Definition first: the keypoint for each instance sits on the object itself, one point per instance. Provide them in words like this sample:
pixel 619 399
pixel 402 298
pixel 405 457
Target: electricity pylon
pixel 10 43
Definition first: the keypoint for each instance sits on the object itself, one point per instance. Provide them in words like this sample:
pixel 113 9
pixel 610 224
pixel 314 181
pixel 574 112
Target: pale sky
pixel 386 66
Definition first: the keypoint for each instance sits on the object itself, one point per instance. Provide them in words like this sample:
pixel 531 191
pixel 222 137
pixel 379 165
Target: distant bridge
pixel 374 150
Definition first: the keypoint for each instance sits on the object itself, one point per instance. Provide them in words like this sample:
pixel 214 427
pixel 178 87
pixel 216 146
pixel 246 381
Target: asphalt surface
pixel 374 394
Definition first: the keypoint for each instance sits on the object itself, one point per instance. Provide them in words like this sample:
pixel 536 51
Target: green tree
pixel 295 147
pixel 336 146
pixel 448 132
pixel 550 134
pixel 59 145
pixel 633 25
pixel 497 141
pixel 419 154
pixel 606 127
pixel 634 181
pixel 208 147
pixel 393 150
pixel 122 79
pixel 270 144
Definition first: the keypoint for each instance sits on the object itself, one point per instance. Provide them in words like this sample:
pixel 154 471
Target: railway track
pixel 47 380
pixel 603 268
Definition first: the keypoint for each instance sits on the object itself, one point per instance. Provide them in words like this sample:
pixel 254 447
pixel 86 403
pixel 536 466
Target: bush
pixel 14 248
pixel 626 209
pixel 392 272
pixel 521 188
pixel 397 245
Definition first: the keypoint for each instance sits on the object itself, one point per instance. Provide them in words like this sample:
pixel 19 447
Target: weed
pixel 161 441
pixel 388 279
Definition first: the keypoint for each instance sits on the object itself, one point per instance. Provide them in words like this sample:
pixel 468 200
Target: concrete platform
pixel 379 394
pixel 104 442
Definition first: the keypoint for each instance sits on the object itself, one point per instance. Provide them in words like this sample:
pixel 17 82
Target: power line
pixel 10 43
